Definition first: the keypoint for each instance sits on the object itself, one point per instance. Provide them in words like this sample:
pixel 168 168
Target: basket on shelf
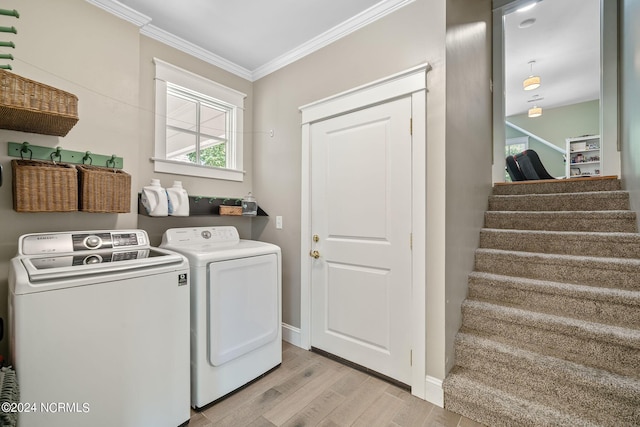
pixel 104 189
pixel 40 186
pixel 29 106
pixel 230 210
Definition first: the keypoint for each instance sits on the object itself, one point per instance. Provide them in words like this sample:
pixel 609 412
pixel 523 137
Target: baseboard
pixel 291 334
pixel 434 392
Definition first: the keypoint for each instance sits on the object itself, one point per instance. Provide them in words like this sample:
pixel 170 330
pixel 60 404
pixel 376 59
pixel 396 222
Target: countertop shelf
pixel 201 206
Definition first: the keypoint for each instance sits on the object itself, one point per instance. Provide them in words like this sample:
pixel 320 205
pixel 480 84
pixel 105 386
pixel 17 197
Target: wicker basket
pixel 230 210
pixel 29 106
pixel 40 186
pixel 104 189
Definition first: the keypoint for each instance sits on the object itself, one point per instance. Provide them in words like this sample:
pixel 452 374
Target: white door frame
pixel 413 83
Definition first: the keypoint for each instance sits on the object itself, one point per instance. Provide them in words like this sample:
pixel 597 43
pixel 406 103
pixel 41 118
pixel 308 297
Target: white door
pixel 361 215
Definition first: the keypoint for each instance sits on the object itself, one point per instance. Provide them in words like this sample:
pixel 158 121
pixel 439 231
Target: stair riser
pixel 587 245
pixel 605 222
pixel 481 414
pixel 561 342
pixel 568 202
pixel 535 382
pixel 561 186
pixel 587 309
pixel 494 407
pixel 576 271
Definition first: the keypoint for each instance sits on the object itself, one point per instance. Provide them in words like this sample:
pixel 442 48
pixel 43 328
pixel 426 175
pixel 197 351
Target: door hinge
pixel 410 357
pixel 411 241
pixel 411 126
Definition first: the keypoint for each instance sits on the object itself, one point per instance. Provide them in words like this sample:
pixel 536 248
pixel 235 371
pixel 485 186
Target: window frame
pixel 168 73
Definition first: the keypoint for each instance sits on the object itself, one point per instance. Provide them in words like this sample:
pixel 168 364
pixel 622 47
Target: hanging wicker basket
pixel 104 189
pixel 40 186
pixel 29 106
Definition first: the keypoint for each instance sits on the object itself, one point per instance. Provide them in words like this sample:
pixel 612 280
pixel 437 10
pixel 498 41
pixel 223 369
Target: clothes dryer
pixel 235 308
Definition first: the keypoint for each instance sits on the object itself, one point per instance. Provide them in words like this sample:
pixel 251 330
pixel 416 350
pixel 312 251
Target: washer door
pixel 243 306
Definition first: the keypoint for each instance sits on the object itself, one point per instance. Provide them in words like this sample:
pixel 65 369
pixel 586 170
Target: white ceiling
pixel 565 43
pixel 250 38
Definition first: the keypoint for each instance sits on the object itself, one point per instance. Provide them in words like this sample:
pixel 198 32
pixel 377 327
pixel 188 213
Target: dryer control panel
pixel 198 235
pixel 74 241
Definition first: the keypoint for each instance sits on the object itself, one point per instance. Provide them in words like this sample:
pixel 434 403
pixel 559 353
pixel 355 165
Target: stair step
pixel 597 221
pixel 573 185
pixel 601 244
pixel 619 273
pixel 606 347
pixel 586 201
pixel 497 408
pixel 603 305
pixel 593 394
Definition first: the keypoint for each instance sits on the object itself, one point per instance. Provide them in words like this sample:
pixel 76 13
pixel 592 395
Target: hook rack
pixel 27 151
pixel 14 13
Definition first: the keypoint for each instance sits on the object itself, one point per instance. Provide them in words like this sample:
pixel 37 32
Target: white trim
pixel 434 391
pixel 394 86
pixel 165 72
pixel 122 11
pixel 537 138
pixel 291 334
pixel 378 11
pixel 419 241
pixel 347 27
pixel 408 83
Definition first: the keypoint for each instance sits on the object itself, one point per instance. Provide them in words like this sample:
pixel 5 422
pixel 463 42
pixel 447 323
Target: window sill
pixel 181 168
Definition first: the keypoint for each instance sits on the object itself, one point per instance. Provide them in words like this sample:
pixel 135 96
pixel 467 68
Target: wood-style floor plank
pixel 312 390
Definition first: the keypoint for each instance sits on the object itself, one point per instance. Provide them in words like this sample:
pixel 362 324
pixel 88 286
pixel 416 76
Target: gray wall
pixel 630 93
pixel 468 150
pixel 390 45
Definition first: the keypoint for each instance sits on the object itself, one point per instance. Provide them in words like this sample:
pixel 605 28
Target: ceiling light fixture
pixel 532 82
pixel 535 112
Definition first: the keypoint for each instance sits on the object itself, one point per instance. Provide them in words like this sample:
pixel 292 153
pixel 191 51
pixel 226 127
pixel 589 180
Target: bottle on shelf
pixel 154 199
pixel 178 200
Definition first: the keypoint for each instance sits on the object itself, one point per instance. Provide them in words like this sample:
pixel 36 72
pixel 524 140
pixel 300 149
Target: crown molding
pixel 194 50
pixel 363 19
pixel 122 11
pixel 349 26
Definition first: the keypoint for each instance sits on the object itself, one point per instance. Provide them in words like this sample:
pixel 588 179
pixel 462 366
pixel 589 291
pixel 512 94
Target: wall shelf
pixel 201 206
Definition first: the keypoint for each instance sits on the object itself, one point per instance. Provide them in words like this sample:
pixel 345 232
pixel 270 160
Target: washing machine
pixel 99 330
pixel 235 308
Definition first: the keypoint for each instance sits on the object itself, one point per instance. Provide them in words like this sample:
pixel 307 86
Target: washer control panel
pixel 69 242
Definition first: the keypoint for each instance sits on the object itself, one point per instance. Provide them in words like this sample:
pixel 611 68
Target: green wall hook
pixel 8 12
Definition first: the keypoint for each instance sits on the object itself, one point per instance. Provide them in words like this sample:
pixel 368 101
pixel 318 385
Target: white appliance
pixel 99 330
pixel 235 308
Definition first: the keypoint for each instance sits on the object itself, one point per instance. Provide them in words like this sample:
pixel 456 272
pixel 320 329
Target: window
pixel 198 127
pixel 516 145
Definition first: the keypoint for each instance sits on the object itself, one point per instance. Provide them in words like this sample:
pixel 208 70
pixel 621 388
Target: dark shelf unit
pixel 200 206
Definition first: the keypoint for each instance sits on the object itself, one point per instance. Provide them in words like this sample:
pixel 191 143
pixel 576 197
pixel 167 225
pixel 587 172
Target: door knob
pixel 314 254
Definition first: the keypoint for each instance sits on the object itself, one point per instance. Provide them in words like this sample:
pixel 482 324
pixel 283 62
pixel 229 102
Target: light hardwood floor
pixel 309 390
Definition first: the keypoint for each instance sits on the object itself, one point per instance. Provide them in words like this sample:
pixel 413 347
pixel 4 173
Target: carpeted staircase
pixel 551 327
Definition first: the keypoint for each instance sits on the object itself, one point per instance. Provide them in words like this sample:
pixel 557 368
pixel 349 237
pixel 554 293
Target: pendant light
pixel 532 82
pixel 535 112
